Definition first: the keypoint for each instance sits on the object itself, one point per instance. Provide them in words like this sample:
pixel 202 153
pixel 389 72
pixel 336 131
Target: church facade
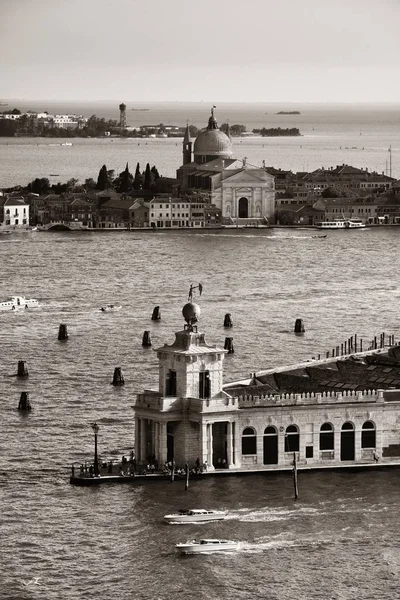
pixel 237 189
pixel 193 417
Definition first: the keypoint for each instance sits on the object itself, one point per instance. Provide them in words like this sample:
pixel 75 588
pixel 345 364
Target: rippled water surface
pixel 340 540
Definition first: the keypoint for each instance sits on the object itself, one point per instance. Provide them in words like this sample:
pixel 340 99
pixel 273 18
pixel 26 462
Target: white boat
pixel 17 302
pixel 355 224
pixel 206 546
pixel 341 224
pixel 110 307
pixel 195 515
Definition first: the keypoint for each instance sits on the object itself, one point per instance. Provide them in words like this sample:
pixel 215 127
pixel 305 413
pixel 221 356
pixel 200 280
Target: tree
pixel 155 172
pixel 7 128
pixel 124 181
pixel 90 183
pixel 147 178
pixel 39 186
pixel 193 130
pixel 72 184
pixel 103 182
pixel 138 179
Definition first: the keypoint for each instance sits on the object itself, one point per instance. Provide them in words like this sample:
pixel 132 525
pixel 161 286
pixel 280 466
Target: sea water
pixel 339 540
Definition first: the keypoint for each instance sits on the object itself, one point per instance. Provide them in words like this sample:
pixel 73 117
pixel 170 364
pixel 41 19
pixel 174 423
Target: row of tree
pixel 277 131
pixel 124 183
pixel 238 130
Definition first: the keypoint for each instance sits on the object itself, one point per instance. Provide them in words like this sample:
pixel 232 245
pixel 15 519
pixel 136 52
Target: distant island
pixel 240 130
pixel 288 112
pixel 140 109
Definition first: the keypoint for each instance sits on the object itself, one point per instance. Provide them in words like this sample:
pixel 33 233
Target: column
pixel 204 443
pixel 137 438
pixel 237 444
pixel 156 439
pixel 337 439
pixel 162 444
pixel 153 438
pixel 357 442
pixel 143 440
pixel 281 448
pixel 210 466
pixel 230 457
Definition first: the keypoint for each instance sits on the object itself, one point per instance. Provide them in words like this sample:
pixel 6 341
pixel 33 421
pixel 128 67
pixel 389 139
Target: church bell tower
pixel 187 147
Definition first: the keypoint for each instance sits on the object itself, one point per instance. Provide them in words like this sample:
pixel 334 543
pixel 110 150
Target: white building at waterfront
pixel 14 213
pixel 250 425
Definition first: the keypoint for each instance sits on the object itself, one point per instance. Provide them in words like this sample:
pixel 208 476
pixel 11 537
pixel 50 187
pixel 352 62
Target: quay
pixel 138 479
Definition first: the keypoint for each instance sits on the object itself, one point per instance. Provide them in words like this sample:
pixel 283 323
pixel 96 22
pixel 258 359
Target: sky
pixel 209 50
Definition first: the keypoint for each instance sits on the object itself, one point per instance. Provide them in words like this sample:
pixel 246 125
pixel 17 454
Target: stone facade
pixel 192 417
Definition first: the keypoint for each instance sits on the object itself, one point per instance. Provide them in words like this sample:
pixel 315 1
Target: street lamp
pixel 95 428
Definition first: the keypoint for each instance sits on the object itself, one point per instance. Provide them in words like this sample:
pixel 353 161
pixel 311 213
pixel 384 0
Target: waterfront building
pixel 166 212
pixel 340 411
pixel 238 190
pixel 139 213
pixel 14 212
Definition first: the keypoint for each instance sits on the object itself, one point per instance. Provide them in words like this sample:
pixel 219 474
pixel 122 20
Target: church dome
pixel 212 142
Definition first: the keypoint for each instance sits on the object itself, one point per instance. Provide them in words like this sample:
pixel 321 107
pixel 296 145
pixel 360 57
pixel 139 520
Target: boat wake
pixel 268 515
pixel 263 546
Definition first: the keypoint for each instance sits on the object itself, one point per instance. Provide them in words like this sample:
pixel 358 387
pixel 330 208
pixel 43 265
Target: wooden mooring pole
pixel 187 477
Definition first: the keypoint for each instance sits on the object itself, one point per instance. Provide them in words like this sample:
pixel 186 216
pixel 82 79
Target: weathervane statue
pixel 191 291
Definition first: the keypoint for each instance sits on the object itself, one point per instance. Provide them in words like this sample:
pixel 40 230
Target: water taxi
pixel 195 515
pixel 16 302
pixel 206 546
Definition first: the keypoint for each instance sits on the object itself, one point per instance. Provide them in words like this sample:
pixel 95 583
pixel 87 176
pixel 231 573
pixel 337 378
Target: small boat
pixel 206 546
pixel 195 515
pixel 110 307
pixel 17 302
pixel 66 144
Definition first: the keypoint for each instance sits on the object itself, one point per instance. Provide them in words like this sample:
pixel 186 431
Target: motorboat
pixel 110 307
pixel 17 302
pixel 195 515
pixel 206 546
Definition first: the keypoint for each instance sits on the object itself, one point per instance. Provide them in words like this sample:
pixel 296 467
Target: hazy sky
pixel 211 50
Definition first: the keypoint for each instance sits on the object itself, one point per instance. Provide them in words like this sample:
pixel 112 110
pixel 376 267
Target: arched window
pixel 270 431
pixel 249 441
pixel 292 439
pixel 7 211
pixel 368 435
pixel 326 439
pixel 348 426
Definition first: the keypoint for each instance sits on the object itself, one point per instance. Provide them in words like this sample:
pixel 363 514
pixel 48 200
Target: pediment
pixel 249 176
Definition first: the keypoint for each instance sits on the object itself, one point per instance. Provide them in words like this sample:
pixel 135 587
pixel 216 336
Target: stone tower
pixel 190 418
pixel 187 147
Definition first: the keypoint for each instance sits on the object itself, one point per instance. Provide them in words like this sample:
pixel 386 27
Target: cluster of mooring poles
pixel 24 404
pixel 355 344
pixel 187 473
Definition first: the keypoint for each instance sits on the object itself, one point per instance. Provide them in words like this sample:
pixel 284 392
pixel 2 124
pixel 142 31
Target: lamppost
pixel 95 428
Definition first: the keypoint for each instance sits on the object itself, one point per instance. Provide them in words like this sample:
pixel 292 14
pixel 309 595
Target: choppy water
pixel 340 540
